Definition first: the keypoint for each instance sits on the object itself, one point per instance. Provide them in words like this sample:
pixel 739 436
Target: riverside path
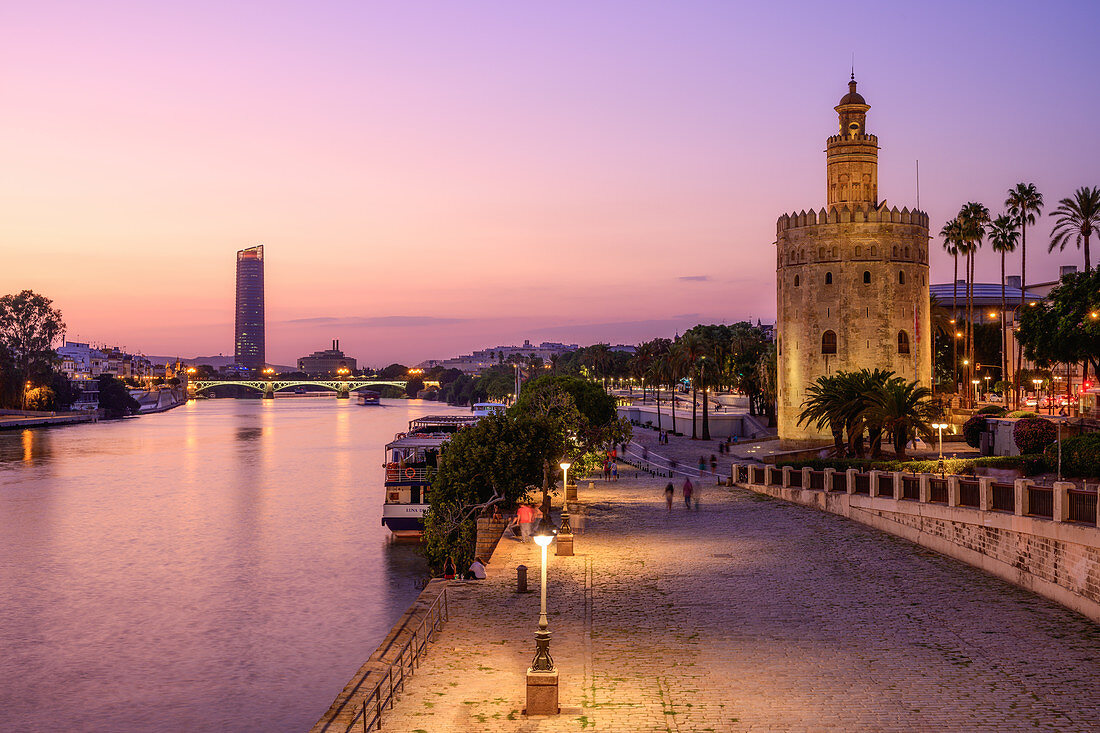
pixel 752 614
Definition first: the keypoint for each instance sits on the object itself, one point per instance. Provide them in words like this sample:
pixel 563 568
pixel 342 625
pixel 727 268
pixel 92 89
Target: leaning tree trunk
pixel 1016 334
pixel 659 428
pixel 672 405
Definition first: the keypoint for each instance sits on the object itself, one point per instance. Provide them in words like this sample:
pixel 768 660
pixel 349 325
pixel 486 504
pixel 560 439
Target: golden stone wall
pixel 862 275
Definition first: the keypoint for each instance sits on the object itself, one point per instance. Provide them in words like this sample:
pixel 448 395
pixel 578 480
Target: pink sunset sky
pixel 430 178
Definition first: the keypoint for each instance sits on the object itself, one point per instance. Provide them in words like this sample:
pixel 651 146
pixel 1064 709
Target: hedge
pixel 1080 456
pixel 1034 434
pixel 972 430
pixel 991 410
pixel 1030 465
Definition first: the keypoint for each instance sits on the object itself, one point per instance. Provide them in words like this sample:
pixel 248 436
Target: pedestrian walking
pixel 688 489
pixel 669 493
pixel 702 466
pixel 614 471
pixel 713 463
pixel 526 516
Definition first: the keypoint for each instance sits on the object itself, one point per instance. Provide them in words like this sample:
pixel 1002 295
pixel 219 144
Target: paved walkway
pixel 753 614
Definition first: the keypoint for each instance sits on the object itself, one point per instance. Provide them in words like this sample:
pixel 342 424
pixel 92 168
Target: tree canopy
pixel 1065 328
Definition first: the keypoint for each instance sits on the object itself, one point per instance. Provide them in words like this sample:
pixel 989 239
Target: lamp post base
pixel 542 693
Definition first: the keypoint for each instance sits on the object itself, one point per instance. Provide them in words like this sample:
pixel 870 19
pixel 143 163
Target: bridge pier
pixel 269 392
pixel 343 393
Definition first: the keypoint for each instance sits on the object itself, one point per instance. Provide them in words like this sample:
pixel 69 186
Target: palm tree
pixel 703 381
pixel 973 218
pixel 599 357
pixel 952 238
pixel 692 348
pixel 1024 203
pixel 902 408
pixel 658 369
pixel 673 372
pixel 1078 218
pixel 1003 237
pixel 824 407
pixel 640 363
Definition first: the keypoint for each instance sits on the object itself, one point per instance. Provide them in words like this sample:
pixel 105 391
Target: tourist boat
pixel 366 397
pixel 481 409
pixel 411 460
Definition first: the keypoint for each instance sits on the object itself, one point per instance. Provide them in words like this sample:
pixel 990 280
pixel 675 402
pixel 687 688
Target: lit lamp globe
pixel 544 533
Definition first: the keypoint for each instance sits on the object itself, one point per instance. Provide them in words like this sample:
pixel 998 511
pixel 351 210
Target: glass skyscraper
pixel 248 348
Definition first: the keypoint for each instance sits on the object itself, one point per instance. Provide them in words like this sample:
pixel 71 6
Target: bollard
pixel 521 579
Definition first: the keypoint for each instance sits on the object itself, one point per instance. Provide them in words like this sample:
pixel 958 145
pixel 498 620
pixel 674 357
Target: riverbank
pixel 750 613
pixel 21 421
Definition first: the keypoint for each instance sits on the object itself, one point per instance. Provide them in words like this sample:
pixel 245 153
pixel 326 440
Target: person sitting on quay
pixel 476 571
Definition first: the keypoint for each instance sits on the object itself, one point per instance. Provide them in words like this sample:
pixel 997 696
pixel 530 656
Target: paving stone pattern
pixel 752 614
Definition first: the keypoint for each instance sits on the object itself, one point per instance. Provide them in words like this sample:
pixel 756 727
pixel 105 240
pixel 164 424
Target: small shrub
pixel 991 410
pixel 1022 413
pixel 973 429
pixel 1080 456
pixel 1034 434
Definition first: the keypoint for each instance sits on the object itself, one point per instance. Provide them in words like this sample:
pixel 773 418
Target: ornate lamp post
pixel 1038 383
pixel 542 677
pixel 940 426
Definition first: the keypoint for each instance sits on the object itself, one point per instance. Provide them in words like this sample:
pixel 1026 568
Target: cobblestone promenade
pixel 752 614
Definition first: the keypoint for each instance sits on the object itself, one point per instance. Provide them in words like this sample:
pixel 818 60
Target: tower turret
pixel 852 155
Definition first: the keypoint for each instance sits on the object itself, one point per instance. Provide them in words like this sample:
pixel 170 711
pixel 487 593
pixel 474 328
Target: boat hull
pixel 405 521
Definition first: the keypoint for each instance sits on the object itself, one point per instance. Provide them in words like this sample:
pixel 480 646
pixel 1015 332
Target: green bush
pixel 991 410
pixel 1034 434
pixel 1080 456
pixel 1029 465
pixel 972 430
pixel 1022 413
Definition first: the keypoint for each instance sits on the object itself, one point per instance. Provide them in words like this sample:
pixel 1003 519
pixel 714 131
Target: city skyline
pixel 616 179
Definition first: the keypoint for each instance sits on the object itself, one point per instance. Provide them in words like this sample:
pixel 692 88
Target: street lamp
pixel 565 472
pixel 542 678
pixel 940 426
pixel 26 387
pixel 975 382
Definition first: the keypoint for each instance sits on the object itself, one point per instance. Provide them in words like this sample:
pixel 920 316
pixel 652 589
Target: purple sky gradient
pixel 439 177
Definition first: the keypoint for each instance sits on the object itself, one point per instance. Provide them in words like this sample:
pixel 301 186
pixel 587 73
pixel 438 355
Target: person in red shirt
pixel 526 515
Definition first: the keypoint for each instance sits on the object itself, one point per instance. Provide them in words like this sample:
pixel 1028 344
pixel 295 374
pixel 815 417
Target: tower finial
pixel 853 66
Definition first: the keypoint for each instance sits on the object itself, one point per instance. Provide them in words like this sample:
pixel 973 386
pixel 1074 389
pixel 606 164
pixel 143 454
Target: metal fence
pixel 886 485
pixel 863 483
pixel 840 482
pixel 1004 497
pixel 1040 501
pixel 910 488
pixel 369 715
pixel 817 479
pixel 937 490
pixel 969 493
pixel 796 479
pixel 1082 506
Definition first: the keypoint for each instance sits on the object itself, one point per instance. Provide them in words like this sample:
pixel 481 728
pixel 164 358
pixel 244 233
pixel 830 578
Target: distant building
pixel 248 345
pixel 483 359
pixel 327 362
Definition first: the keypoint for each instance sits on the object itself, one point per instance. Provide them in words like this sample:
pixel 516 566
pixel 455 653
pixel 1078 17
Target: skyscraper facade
pixel 248 346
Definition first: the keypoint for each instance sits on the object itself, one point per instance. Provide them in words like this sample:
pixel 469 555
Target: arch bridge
pixel 342 387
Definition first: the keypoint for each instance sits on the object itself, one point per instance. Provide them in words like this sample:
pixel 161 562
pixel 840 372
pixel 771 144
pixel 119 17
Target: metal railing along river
pixel 369 715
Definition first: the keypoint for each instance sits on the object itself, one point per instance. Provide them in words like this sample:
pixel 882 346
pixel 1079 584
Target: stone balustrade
pixel 1043 538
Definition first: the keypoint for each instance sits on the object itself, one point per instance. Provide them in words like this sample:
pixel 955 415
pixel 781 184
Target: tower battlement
pixel 851 213
pixel 853 137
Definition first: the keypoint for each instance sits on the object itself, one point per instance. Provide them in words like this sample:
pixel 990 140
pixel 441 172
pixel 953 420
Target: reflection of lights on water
pixel 28 446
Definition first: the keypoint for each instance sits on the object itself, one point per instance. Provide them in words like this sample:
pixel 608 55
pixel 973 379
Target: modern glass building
pixel 248 348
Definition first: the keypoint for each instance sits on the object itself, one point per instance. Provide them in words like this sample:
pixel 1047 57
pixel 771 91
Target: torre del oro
pixel 851 277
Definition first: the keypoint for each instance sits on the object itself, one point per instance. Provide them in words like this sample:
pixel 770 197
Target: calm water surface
pixel 221 566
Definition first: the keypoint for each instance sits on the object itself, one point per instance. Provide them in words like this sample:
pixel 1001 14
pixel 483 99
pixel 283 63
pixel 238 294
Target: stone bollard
pixel 1061 500
pixel 591 486
pixel 850 479
pixel 985 493
pixel 733 473
pixel 953 493
pixel 767 475
pixel 521 579
pixel 806 477
pixel 925 488
pixel 786 480
pixel 1022 498
pixel 828 483
pixel 898 491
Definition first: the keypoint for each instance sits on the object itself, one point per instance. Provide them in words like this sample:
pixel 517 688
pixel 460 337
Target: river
pixel 221 566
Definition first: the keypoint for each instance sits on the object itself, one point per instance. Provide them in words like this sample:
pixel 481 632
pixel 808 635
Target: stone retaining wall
pixel 1052 557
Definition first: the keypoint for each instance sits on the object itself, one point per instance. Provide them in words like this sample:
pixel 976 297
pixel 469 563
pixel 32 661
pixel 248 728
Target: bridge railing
pixel 1062 502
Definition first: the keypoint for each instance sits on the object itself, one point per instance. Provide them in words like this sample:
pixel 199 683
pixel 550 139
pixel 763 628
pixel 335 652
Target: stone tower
pixel 851 278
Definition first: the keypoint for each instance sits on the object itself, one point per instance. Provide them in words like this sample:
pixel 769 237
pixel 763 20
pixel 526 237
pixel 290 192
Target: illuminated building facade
pixel 248 344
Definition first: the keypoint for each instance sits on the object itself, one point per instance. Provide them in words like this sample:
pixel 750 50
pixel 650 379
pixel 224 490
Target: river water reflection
pixel 221 566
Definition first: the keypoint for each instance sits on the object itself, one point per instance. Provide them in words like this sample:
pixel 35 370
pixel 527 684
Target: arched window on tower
pixel 895 250
pixel 903 342
pixel 828 342
pixel 906 253
pixel 874 251
pixel 820 253
pixel 859 251
pixel 836 252
pixel 901 277
pixel 828 278
pixel 866 277
pixel 796 281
